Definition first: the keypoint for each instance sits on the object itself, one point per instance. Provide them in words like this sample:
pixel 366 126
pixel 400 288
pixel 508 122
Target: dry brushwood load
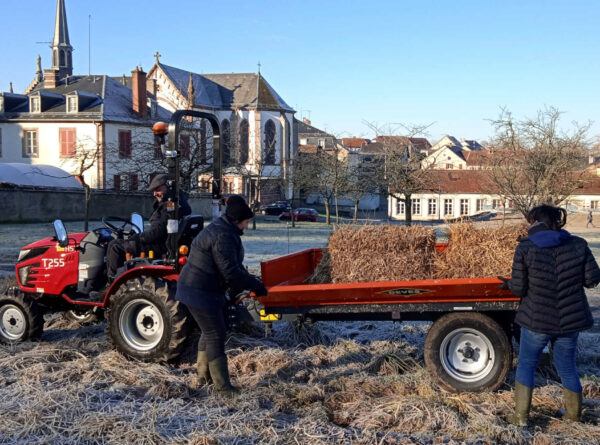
pixel 381 253
pixel 476 253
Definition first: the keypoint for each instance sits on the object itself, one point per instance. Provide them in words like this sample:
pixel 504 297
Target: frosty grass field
pixel 356 382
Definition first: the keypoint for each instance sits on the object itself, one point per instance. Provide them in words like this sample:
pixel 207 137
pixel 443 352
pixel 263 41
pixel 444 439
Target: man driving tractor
pixel 154 239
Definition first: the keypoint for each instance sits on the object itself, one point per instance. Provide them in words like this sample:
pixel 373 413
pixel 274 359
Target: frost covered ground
pixel 340 383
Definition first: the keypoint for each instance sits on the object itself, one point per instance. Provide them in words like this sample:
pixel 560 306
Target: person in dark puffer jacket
pixel 551 267
pixel 214 265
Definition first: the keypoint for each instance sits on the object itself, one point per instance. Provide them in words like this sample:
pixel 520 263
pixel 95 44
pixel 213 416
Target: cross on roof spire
pixel 259 67
pixel 158 56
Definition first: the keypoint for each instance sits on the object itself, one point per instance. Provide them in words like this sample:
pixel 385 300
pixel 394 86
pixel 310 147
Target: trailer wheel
pixel 144 321
pixel 20 318
pixel 85 316
pixel 467 352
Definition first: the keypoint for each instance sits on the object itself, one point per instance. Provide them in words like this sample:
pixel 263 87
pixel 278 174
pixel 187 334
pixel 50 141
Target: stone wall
pixel 37 204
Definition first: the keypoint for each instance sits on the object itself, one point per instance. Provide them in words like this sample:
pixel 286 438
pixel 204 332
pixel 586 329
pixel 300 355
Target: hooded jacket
pixel 215 264
pixel 549 273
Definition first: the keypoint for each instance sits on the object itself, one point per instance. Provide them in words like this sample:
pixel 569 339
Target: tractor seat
pixel 189 227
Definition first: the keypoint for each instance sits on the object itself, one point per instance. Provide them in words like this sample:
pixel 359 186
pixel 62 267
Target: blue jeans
pixel 564 347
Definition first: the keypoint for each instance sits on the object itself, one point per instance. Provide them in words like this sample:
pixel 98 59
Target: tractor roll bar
pixel 173 166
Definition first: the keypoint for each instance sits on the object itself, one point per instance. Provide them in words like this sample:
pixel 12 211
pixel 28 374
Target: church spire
pixel 61 46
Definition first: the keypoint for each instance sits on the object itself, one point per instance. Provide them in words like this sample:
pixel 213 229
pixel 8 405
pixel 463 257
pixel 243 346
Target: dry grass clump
pixel 478 252
pixel 366 385
pixel 381 253
pixel 322 273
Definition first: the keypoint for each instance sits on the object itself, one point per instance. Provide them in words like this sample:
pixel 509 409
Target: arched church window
pixel 62 57
pixel 55 57
pixel 226 141
pixel 270 142
pixel 244 142
pixel 69 59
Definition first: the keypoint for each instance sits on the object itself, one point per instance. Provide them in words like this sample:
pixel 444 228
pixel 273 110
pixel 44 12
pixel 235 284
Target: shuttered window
pixel 66 142
pixel 124 143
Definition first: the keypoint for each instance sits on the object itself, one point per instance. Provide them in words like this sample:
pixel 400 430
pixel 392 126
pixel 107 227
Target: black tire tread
pixel 178 322
pixel 503 350
pixel 33 314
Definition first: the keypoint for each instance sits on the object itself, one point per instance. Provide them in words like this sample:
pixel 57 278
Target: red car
pixel 301 215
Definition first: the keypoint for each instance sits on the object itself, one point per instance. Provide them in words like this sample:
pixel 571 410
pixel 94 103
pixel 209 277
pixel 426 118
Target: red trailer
pixel 468 347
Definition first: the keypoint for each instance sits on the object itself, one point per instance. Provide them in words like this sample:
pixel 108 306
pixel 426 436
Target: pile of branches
pixel 395 253
pixel 380 253
pixel 478 252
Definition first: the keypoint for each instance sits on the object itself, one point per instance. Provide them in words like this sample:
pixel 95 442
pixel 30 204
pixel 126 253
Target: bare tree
pixel 534 162
pixel 324 174
pixel 80 158
pixel 361 181
pixel 143 157
pixel 399 168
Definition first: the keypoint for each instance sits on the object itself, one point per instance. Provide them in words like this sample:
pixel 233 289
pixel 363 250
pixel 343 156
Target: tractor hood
pixel 77 237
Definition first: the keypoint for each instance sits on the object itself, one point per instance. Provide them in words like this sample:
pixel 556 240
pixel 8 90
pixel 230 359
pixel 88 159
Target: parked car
pixel 277 207
pixel 301 215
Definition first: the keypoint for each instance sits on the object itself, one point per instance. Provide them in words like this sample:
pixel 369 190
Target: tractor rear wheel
pixel 20 318
pixel 467 352
pixel 144 321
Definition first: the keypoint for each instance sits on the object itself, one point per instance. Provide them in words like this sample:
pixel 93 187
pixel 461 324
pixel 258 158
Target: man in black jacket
pixel 214 265
pixel 550 270
pixel 155 238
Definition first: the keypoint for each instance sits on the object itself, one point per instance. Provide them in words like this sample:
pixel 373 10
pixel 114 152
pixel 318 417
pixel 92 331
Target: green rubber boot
pixel 572 405
pixel 203 373
pixel 522 404
pixel 220 375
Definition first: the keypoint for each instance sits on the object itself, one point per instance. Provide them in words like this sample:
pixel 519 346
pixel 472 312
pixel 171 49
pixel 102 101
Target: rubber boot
pixel 203 373
pixel 572 405
pixel 220 375
pixel 522 404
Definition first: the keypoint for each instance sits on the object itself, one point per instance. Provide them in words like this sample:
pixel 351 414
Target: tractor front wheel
pixel 20 318
pixel 467 352
pixel 144 321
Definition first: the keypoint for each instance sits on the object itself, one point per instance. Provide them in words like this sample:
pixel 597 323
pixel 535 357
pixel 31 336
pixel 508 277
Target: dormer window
pixel 72 106
pixel 34 105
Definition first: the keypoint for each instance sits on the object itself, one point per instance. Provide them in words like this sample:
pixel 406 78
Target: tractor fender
pixel 165 272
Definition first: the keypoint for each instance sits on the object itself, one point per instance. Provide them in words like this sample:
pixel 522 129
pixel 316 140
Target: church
pixel 98 127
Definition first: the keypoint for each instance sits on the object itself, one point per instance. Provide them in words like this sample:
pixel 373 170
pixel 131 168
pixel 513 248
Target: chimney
pixel 151 86
pixel 50 78
pixel 138 90
pixel 306 121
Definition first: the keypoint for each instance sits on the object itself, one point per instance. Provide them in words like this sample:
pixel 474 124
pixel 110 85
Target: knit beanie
pixel 237 210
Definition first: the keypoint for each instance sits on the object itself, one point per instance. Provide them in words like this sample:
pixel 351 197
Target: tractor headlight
pixel 23 275
pixel 23 254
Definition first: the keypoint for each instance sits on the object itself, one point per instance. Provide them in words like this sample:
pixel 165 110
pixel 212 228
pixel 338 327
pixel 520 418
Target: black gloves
pixel 260 290
pixel 504 284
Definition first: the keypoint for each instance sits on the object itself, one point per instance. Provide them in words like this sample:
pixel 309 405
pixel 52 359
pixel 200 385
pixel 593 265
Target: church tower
pixel 62 60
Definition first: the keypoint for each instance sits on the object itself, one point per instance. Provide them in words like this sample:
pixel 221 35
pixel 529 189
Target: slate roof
pixel 305 130
pixel 113 102
pixel 225 90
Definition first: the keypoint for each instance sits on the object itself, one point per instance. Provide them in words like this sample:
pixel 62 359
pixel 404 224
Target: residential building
pixel 61 115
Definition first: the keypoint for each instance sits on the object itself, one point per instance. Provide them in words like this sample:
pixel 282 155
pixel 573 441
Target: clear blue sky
pixel 449 62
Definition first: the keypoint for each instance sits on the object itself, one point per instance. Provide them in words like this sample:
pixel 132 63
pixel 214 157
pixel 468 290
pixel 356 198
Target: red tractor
pixel 66 271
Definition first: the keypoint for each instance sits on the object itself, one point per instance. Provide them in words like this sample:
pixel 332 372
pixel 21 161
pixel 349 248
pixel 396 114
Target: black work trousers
pixel 115 255
pixel 210 317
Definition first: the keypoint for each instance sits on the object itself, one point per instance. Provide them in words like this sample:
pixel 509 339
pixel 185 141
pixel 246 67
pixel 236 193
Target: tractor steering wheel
pixel 120 231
